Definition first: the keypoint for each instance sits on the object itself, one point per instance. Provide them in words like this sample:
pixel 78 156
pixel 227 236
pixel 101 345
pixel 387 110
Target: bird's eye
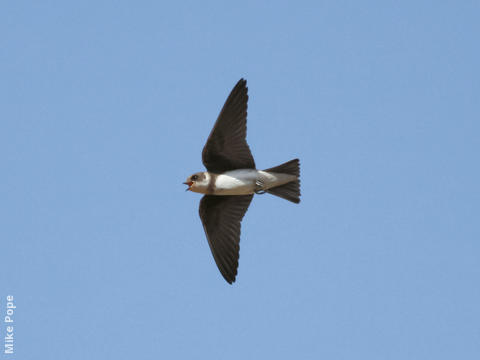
pixel 194 177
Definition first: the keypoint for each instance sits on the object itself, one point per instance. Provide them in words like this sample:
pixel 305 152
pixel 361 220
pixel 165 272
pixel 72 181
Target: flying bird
pixel 232 179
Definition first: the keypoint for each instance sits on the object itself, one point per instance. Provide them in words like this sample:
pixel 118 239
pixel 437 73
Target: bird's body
pixel 241 182
pixel 231 180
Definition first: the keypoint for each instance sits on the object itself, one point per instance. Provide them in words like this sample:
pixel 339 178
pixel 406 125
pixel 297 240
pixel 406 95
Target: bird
pixel 231 181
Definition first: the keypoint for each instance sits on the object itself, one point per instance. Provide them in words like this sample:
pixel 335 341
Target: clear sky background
pixel 105 108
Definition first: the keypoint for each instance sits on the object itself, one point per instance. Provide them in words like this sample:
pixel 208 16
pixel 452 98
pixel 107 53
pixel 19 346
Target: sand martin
pixel 232 179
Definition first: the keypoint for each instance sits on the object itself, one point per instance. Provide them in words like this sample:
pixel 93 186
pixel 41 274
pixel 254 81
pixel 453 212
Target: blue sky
pixel 105 108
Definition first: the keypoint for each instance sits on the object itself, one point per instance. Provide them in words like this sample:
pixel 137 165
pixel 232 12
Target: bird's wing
pixel 221 217
pixel 226 148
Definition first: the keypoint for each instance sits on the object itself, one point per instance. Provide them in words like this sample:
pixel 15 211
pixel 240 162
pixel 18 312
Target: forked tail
pixel 290 191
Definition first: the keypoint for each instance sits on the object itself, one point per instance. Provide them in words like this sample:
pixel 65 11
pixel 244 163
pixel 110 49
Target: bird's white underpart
pixel 245 181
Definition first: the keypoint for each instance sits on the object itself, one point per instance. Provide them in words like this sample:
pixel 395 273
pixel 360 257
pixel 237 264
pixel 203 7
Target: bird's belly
pixel 236 182
pixel 246 181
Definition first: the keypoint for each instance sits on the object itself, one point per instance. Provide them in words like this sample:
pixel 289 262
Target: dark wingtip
pixel 229 280
pixel 241 82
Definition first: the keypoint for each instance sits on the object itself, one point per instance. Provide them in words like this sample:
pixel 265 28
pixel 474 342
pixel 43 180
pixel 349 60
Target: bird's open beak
pixel 189 183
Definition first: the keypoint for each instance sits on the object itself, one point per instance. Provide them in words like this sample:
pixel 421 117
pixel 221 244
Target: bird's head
pixel 198 182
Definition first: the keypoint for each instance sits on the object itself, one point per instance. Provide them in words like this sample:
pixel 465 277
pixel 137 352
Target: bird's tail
pixel 290 191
